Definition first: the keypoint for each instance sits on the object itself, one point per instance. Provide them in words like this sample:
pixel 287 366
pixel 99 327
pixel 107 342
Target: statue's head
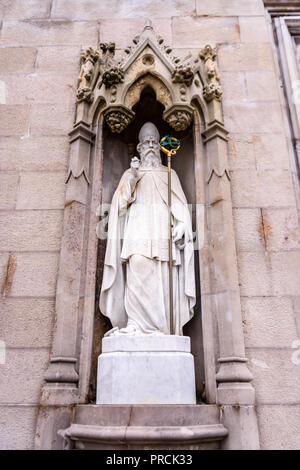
pixel 148 147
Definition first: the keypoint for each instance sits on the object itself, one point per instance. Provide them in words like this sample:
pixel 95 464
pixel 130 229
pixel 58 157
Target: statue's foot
pixel 130 330
pixel 111 332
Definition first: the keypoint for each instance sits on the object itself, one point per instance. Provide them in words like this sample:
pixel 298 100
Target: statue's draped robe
pixel 135 286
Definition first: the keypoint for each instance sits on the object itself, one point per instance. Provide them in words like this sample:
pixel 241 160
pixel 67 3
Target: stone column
pixel 235 393
pixel 60 391
pixel 233 377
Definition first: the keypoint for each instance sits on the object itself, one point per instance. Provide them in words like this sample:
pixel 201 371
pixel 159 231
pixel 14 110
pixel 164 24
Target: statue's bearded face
pixel 149 150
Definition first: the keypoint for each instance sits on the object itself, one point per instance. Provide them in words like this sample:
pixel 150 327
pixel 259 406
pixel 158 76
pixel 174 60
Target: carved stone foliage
pixel 183 74
pixel 118 118
pixel 212 90
pixel 184 71
pixel 112 72
pixel 84 91
pixel 179 117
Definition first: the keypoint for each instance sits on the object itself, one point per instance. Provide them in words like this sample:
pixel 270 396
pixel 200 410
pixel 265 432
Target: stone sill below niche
pixel 116 427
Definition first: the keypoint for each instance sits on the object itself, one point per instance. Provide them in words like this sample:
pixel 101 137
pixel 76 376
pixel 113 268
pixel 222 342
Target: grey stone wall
pixel 40 43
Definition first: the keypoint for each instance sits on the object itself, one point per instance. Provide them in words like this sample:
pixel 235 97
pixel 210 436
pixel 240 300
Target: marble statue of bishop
pixel 135 286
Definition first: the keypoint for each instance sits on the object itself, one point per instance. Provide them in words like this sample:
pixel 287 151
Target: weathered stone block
pixel 193 32
pixel 279 427
pixel 268 322
pixel 17 59
pixel 296 307
pixel 230 8
pixel 26 323
pixel 128 29
pixel 41 191
pixel 17 427
pixel 30 230
pixel 241 57
pixel 17 154
pixel 282 230
pixel 240 152
pixel 35 275
pixel 254 29
pixel 43 33
pixel 285 271
pixel 255 277
pixel 3 270
pixel 8 190
pixel 253 117
pixel 271 152
pixel 49 119
pixel 248 230
pixel 276 378
pixel 261 152
pixel 14 119
pixel 23 374
pixel 262 86
pixel 40 88
pixel 262 188
pixel 234 88
pixel 59 59
pixel 18 9
pixel 91 9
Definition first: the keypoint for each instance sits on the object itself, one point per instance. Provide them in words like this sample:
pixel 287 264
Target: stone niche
pixel 117 93
pixel 118 151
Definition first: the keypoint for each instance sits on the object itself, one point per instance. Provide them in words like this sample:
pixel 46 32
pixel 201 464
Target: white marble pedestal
pixel 146 370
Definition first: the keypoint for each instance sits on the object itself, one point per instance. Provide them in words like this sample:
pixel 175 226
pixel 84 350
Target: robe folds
pixel 135 285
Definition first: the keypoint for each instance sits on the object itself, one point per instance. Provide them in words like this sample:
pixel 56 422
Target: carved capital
pixel 179 117
pixel 118 118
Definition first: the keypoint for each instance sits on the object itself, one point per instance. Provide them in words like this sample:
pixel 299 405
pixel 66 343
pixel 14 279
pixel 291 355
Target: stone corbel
pixel 179 116
pixel 118 117
pixel 212 90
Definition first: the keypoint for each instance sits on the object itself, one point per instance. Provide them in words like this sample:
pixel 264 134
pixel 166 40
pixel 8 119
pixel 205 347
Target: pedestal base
pixel 146 370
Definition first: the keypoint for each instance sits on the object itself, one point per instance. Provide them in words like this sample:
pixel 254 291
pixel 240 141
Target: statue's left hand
pixel 178 232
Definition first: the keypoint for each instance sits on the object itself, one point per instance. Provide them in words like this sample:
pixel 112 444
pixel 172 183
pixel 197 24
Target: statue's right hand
pixel 135 164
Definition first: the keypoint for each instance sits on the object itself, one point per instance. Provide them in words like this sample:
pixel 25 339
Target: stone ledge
pixel 141 425
pixel 147 415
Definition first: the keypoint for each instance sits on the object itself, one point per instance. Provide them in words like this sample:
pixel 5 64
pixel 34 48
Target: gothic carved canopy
pixel 118 82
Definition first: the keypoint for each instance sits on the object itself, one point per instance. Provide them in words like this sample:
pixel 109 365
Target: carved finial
pixel 89 58
pixel 107 48
pixel 148 24
pixel 212 90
